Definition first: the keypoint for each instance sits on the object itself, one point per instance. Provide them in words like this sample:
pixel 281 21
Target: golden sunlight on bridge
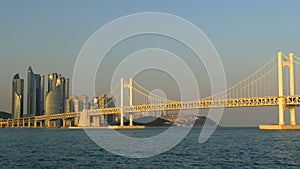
pixel 271 85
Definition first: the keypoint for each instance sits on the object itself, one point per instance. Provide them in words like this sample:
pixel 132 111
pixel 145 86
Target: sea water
pixel 226 148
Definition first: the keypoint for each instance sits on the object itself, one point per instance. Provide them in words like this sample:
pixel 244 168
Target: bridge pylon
pixel 123 86
pixel 281 100
pixel 289 63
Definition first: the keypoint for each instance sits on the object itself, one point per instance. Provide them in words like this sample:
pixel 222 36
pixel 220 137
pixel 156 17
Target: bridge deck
pixel 200 104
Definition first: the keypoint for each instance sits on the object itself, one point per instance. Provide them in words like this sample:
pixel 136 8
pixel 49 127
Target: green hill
pixel 4 115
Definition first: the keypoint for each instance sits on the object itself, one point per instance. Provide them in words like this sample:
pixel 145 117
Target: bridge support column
pixel 130 102
pixel 23 123
pixel 35 123
pixel 29 122
pixel 64 122
pixel 130 119
pixel 165 113
pixel 41 123
pixel 292 116
pixel 48 123
pixel 96 121
pixel 280 89
pixel 84 120
pixel 76 121
pixel 281 111
pixel 122 103
pixel 18 123
pixel 102 120
pixel 292 88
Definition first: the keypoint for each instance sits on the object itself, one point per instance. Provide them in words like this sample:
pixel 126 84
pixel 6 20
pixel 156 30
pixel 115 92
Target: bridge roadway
pixel 202 104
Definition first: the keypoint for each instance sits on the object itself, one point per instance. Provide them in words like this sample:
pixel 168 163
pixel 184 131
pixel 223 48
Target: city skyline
pixel 150 84
pixel 38 101
pixel 246 35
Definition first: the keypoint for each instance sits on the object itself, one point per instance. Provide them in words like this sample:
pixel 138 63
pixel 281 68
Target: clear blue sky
pixel 48 35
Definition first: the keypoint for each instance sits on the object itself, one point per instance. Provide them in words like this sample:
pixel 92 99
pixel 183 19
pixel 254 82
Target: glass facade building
pixel 35 93
pixel 17 97
pixel 58 92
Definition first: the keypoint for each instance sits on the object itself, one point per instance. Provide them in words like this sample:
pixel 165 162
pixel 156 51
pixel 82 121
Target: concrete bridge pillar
pixel 29 122
pixel 64 122
pixel 281 102
pixel 76 121
pixel 165 113
pixel 281 99
pixel 122 103
pixel 18 123
pixel 34 123
pixel 96 122
pixel 84 120
pixel 292 115
pixel 23 123
pixel 280 89
pixel 130 119
pixel 292 88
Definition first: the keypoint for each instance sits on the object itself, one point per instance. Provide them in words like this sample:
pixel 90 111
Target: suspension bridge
pixel 277 83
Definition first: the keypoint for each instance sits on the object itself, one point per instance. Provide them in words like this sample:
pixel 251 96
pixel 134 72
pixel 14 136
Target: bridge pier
pixel 96 121
pixel 102 120
pixel 122 103
pixel 281 110
pixel 292 115
pixel 48 123
pixel 34 123
pixel 84 120
pixel 76 121
pixel 64 123
pixel 130 119
pixel 165 113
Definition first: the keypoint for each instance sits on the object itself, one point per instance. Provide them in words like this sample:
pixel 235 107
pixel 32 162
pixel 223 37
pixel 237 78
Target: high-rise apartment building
pixel 58 92
pixel 35 93
pixel 17 97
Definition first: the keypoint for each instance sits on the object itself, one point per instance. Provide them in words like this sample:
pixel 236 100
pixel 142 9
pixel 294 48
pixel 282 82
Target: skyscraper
pixel 35 93
pixel 17 97
pixel 58 92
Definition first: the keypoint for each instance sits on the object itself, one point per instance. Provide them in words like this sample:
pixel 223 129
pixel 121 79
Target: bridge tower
pixel 123 86
pixel 289 63
pixel 281 100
